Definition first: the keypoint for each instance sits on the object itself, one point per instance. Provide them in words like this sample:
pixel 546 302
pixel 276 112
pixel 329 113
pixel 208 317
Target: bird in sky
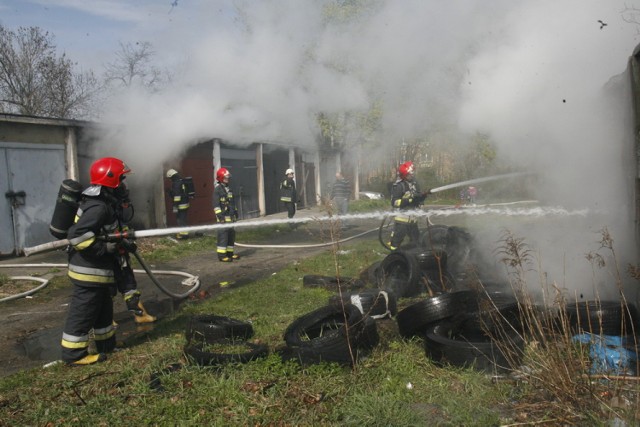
pixel 602 24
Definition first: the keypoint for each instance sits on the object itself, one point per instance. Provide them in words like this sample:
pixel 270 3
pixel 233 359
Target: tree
pixel 35 81
pixel 133 65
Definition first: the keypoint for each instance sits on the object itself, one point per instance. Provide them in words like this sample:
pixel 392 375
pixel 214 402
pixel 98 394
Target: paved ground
pixel 31 327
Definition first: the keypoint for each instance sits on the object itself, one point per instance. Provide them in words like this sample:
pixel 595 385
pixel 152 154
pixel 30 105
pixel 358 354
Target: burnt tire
pixel 197 352
pixel 210 327
pixel 375 303
pixel 400 274
pixel 331 282
pixel 434 238
pixel 602 317
pixel 329 334
pixel 445 343
pixel 371 274
pixel 414 319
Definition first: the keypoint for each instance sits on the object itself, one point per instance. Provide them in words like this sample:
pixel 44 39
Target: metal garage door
pixel 35 171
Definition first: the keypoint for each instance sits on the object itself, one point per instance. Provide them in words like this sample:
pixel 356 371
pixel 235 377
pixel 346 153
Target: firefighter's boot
pixel 144 317
pixel 233 256
pixel 89 359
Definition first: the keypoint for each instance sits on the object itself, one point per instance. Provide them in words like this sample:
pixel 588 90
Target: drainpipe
pixel 217 162
pixel 316 163
pixel 71 153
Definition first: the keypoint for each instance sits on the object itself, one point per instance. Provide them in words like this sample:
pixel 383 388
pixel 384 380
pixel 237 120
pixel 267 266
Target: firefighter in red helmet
pixel 224 207
pixel 98 268
pixel 405 196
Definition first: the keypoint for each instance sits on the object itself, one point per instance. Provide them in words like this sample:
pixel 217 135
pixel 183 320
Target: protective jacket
pixel 179 193
pixel 288 192
pixel 224 205
pixel 405 195
pixel 89 262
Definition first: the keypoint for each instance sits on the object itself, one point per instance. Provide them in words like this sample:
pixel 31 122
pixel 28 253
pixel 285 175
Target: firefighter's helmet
pixel 171 172
pixel 222 174
pixel 405 170
pixel 289 171
pixel 108 172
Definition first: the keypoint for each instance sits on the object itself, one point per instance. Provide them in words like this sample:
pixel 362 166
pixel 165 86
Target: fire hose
pixel 190 280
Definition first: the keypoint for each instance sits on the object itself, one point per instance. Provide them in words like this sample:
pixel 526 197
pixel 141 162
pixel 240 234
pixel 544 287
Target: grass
pixel 396 385
pixel 263 392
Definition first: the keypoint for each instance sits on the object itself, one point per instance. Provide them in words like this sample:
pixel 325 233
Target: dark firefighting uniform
pixel 96 276
pixel 180 198
pixel 288 196
pixel 405 195
pixel 224 207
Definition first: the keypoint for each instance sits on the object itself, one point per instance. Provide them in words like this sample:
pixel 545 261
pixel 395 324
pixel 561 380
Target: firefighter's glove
pixel 133 303
pixel 128 245
pixel 111 247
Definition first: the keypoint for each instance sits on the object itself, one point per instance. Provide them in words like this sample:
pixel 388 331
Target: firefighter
pixel 98 268
pixel 405 195
pixel 288 194
pixel 180 199
pixel 224 207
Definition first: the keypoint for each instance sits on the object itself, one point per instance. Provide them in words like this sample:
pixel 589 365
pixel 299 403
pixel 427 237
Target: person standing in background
pixel 289 195
pixel 224 207
pixel 341 193
pixel 180 200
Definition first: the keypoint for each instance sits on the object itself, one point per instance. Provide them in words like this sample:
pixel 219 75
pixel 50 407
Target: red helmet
pixel 406 169
pixel 108 171
pixel 222 174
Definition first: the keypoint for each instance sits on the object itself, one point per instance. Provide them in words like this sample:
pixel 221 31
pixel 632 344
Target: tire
pixel 323 335
pixel 199 355
pixel 374 303
pixel 414 319
pixel 211 327
pixel 399 273
pixel 331 282
pixel 371 274
pixel 434 238
pixel 445 343
pixel 602 317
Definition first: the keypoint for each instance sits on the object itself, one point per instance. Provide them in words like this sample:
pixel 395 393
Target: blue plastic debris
pixel 609 354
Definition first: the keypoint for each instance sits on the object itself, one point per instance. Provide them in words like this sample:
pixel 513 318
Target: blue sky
pixel 89 31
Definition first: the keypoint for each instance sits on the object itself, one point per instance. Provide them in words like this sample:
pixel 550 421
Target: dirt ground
pixel 32 327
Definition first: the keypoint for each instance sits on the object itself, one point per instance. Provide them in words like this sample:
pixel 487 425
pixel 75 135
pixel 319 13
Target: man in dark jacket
pixel 98 269
pixel 405 196
pixel 224 207
pixel 341 193
pixel 288 193
pixel 180 199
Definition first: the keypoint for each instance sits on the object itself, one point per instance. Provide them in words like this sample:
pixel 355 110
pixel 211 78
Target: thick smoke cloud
pixel 531 74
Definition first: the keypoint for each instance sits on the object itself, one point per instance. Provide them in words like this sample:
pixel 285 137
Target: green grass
pixel 272 392
pixel 263 392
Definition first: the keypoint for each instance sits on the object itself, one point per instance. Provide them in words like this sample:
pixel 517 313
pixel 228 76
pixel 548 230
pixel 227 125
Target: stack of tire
pixel 431 266
pixel 467 329
pixel 338 333
pixel 229 337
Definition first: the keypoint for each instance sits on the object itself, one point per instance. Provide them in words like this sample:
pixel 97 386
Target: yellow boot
pixel 144 317
pixel 89 360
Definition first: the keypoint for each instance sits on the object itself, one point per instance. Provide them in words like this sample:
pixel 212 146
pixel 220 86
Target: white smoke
pixel 530 74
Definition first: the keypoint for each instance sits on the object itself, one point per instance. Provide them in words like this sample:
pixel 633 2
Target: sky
pixel 529 73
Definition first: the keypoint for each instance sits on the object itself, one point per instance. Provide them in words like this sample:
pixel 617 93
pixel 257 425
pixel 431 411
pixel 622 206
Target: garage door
pixel 29 183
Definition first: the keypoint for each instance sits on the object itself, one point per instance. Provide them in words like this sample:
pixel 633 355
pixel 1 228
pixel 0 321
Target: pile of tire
pixel 227 336
pixel 467 329
pixel 409 273
pixel 337 333
pixel 375 303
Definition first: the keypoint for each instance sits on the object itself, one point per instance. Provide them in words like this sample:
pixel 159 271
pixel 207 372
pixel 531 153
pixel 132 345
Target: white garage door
pixel 35 170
